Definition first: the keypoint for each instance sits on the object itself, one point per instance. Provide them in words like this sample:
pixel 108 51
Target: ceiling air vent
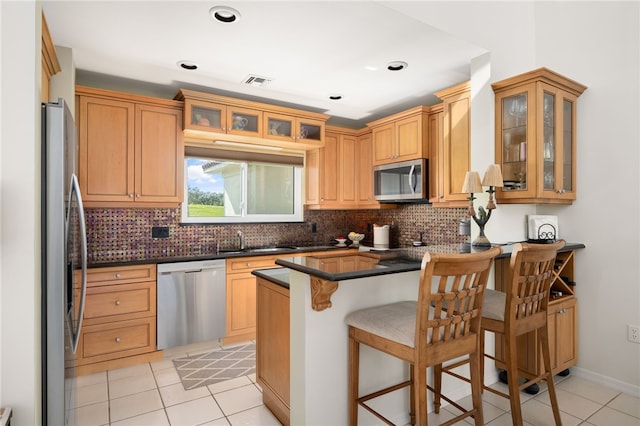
pixel 254 80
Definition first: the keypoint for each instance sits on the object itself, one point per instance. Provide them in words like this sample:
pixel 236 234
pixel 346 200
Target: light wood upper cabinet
pixel 288 128
pixel 436 157
pixel 453 152
pixel 339 175
pixel 210 118
pixel 131 151
pixel 219 118
pixel 400 137
pixel 335 183
pixel 536 137
pixel 364 175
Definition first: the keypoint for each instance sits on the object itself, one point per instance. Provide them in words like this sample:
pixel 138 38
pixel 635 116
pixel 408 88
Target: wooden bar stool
pixel 520 310
pixel 442 325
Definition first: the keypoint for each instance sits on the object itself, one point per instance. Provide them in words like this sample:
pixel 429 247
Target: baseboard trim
pixel 610 382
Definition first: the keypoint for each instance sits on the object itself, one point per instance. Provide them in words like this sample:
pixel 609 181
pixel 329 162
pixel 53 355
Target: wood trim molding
pixel 49 57
pixel 321 291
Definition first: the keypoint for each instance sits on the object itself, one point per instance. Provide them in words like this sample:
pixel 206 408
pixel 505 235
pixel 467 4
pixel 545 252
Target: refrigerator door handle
pixel 74 332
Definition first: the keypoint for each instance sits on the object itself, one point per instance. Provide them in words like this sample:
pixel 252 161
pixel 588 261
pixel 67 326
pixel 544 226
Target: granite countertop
pixel 227 254
pixel 345 266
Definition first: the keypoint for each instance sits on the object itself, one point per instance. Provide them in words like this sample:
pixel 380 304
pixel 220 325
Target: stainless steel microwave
pixel 404 181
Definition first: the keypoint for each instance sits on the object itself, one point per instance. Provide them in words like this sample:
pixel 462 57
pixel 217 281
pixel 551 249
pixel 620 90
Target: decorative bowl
pixel 341 240
pixel 356 238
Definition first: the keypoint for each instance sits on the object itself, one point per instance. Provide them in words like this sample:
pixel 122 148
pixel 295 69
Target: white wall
pixel 597 44
pixel 20 34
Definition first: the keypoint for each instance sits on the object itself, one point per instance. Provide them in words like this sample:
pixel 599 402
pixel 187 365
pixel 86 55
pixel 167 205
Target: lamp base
pixel 481 241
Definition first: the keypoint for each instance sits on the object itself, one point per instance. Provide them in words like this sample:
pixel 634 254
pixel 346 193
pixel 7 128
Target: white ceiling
pixel 310 50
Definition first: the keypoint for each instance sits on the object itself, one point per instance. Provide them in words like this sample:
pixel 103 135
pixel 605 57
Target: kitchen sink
pixel 274 249
pixel 267 249
pixel 258 250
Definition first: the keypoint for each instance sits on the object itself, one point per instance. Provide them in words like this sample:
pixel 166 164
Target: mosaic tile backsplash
pixel 121 235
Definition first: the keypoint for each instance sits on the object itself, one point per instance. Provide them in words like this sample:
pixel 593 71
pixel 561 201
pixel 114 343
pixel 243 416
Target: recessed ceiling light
pixel 224 14
pixel 188 65
pixel 397 65
pixel 335 97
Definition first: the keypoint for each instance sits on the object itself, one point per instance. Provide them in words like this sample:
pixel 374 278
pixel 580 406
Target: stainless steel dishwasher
pixel 191 302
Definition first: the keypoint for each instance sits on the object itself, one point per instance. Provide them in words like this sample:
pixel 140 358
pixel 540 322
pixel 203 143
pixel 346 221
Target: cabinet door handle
pixel 117 303
pixel 117 340
pixel 562 311
pixel 130 195
pixel 248 265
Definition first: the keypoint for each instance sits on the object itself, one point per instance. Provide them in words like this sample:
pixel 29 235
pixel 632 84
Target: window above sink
pixel 223 190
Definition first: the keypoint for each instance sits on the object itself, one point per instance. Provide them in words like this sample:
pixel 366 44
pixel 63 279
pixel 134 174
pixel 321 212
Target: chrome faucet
pixel 241 238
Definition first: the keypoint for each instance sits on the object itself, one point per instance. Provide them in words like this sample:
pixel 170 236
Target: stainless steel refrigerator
pixel 64 262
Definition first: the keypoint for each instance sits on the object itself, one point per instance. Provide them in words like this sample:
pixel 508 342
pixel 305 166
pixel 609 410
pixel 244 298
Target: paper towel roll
pixel 381 236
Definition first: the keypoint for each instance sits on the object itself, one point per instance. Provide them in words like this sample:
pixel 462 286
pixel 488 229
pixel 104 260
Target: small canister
pixel 464 228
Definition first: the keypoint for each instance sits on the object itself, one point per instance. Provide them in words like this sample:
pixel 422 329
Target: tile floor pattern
pixel 151 394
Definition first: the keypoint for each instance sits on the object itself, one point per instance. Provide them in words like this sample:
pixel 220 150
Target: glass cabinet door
pixel 568 148
pixel 280 127
pixel 558 142
pixel 515 125
pixel 205 116
pixel 549 142
pixel 244 121
pixel 310 130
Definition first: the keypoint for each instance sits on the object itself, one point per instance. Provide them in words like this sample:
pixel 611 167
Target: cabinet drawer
pixel 122 274
pixel 108 303
pixel 250 263
pixel 116 340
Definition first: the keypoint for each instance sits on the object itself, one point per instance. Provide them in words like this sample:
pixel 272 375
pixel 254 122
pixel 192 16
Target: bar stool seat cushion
pixel 493 306
pixel 394 321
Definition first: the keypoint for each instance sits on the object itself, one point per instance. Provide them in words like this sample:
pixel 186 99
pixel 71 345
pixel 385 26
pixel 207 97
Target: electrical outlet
pixel 159 232
pixel 314 228
pixel 633 333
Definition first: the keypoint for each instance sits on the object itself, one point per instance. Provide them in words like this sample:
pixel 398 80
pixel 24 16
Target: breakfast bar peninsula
pixel 302 352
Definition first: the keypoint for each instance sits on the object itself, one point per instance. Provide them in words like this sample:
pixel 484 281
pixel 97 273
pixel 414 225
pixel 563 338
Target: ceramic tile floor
pixel 151 394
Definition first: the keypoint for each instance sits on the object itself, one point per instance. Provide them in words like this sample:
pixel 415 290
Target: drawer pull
pixel 117 303
pixel 118 275
pixel 117 340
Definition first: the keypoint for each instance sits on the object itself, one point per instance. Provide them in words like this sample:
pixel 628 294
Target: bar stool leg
pixel 412 396
pixel 420 395
pixel 476 385
pixel 354 376
pixel 512 378
pixel 437 387
pixel 543 337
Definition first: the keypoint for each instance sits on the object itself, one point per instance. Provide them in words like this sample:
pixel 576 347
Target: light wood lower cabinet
pixel 241 293
pixel 241 296
pixel 119 321
pixel 272 348
pixel 562 322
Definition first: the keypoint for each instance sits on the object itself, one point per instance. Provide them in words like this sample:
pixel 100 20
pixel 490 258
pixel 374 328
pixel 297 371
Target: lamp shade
pixel 472 183
pixel 493 176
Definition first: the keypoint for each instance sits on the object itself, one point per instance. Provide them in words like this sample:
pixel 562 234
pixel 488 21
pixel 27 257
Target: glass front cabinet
pixel 536 137
pixel 294 129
